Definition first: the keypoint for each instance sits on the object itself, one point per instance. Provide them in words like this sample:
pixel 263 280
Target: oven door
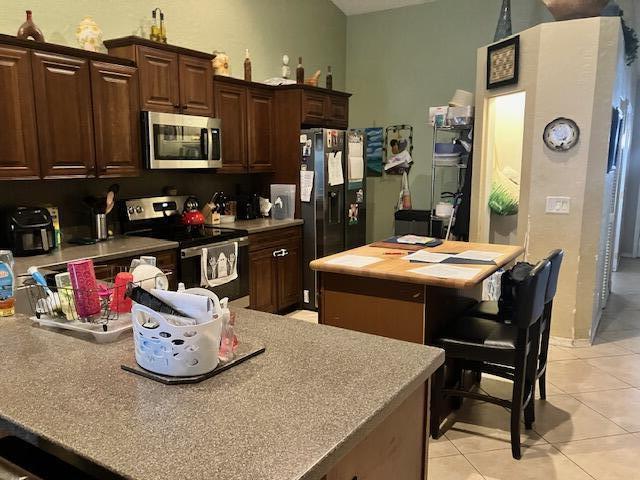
pixel 191 268
pixel 181 141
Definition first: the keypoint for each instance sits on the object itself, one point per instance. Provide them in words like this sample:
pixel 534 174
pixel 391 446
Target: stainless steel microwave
pixel 172 140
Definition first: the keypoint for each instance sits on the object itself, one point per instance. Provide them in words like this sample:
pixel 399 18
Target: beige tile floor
pixel 587 429
pixel 589 426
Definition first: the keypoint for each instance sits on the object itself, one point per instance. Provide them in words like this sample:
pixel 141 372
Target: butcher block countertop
pixel 395 268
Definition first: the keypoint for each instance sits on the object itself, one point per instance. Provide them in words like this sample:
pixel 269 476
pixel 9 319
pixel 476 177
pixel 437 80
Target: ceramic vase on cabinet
pixel 504 28
pixel 89 34
pixel 570 9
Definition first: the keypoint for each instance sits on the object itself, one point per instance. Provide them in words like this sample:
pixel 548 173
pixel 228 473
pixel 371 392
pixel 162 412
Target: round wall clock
pixel 561 135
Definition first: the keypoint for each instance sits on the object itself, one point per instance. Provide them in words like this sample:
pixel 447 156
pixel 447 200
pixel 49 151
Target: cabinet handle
pixel 279 253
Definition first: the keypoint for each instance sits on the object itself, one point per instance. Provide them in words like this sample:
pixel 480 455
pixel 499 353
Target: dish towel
pixel 219 265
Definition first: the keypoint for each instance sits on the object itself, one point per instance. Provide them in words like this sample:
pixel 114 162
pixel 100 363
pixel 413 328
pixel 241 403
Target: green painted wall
pixel 400 62
pixel 315 29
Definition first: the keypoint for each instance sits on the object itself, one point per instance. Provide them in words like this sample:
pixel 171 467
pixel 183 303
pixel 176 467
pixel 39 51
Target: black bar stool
pixel 506 350
pixel 492 311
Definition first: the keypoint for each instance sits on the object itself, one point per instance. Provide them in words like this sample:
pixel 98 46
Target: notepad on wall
pixel 448 272
pixel 357 261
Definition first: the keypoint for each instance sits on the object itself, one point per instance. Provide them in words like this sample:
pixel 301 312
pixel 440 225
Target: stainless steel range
pixel 161 217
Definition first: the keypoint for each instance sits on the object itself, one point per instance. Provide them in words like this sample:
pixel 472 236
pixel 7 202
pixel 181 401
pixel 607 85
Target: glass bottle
pixel 504 28
pixel 329 79
pixel 247 66
pixel 30 29
pixel 300 71
pixel 7 284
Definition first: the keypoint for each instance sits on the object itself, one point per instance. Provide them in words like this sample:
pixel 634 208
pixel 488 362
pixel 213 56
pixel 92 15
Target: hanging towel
pixel 219 265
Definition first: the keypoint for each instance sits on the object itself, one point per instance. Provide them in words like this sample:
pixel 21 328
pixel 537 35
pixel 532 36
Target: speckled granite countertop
pixel 290 413
pixel 261 224
pixel 117 247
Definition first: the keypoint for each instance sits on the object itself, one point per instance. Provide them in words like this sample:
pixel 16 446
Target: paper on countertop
pixel 356 168
pixel 358 261
pixel 306 185
pixel 427 257
pixel 448 272
pixel 336 176
pixel 479 255
pixel 414 239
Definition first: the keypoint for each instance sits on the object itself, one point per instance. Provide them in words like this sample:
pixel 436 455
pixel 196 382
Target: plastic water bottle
pixel 7 284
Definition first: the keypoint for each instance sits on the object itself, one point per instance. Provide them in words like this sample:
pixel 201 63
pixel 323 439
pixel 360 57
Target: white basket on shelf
pixel 175 350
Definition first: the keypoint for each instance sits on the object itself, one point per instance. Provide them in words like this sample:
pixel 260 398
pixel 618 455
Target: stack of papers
pixel 357 261
pixel 414 239
pixel 448 271
pixel 334 166
pixel 479 255
pixel 427 257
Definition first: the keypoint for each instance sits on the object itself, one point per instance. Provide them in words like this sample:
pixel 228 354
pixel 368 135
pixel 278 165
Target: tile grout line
pixel 571 460
pixel 603 415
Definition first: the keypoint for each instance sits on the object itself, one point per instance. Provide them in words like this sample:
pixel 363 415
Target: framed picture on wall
pixel 503 63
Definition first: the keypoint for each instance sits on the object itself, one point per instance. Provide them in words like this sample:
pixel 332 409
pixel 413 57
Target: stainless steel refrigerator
pixel 332 207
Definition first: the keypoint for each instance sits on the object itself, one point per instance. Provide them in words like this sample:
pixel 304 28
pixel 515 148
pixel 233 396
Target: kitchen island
pixel 320 403
pixel 389 298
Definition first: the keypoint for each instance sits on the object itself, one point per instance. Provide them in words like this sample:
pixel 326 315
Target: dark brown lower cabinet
pixel 275 270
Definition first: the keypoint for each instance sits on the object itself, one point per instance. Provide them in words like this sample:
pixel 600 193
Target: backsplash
pixel 68 194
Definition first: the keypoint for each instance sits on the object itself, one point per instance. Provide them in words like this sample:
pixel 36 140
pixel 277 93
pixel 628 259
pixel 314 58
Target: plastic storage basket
pixel 175 350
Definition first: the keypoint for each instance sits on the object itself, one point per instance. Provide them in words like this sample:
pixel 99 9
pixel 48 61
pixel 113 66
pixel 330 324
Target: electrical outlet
pixel 558 205
pixel 305 294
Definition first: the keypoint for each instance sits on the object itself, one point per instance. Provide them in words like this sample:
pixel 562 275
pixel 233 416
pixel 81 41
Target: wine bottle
pixel 247 66
pixel 300 71
pixel 329 79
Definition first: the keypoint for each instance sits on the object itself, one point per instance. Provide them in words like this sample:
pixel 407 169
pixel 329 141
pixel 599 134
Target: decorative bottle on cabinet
pixel 504 29
pixel 300 71
pixel 30 29
pixel 247 66
pixel 329 79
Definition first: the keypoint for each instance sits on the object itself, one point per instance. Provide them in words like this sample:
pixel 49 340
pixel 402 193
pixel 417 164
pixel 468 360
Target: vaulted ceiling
pixel 356 7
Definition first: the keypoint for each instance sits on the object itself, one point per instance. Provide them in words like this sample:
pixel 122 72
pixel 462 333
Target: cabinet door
pixel 159 84
pixel 289 275
pixel 314 108
pixel 262 281
pixel 18 142
pixel 196 90
pixel 339 111
pixel 65 118
pixel 231 108
pixel 260 132
pixel 116 119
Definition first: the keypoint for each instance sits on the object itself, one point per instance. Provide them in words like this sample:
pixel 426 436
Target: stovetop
pixel 190 236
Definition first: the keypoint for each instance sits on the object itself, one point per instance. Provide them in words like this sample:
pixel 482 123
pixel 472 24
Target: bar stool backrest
pixel 555 258
pixel 529 295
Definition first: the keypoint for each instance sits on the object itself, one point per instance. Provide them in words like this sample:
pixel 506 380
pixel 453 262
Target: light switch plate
pixel 558 205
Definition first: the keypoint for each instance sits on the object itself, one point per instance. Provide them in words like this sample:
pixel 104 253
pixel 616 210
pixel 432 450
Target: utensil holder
pixel 178 351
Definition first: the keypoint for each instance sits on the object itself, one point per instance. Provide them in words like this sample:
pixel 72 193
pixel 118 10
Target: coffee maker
pixel 248 206
pixel 28 231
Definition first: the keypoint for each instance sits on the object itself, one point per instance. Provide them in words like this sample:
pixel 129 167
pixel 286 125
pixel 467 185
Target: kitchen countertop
pixel 290 413
pixel 261 224
pixel 393 267
pixel 116 247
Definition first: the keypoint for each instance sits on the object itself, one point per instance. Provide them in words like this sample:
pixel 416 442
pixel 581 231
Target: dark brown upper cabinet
pixel 247 111
pixel 116 119
pixel 231 108
pixel 64 114
pixel 159 80
pixel 172 79
pixel 260 131
pixel 325 109
pixel 18 134
pixel 196 92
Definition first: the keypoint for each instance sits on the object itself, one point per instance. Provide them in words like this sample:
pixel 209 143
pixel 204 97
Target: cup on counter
pixel 85 287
